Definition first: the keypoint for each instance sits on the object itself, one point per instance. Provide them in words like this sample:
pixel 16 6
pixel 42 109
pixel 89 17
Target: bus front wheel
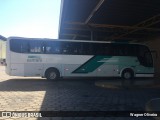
pixel 127 74
pixel 52 74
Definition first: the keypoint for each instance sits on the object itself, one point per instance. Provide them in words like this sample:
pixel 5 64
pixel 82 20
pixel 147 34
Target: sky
pixel 29 18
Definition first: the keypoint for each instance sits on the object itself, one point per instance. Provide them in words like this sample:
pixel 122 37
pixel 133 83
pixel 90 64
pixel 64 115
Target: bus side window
pixel 107 50
pixel 116 51
pixel 15 45
pixel 52 47
pixel 120 50
pixel 66 47
pixel 48 49
pixel 25 46
pixel 36 46
pixel 76 48
pixel 87 49
pixel 98 49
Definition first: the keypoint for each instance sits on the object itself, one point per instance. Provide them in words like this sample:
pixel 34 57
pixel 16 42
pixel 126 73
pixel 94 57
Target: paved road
pixel 35 94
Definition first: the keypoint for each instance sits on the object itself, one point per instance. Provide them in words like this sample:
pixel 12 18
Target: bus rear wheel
pixel 52 74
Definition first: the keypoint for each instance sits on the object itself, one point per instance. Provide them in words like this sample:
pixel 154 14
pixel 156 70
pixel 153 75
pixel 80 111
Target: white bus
pixel 52 59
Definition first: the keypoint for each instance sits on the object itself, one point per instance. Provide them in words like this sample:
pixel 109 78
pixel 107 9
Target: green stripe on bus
pixel 91 65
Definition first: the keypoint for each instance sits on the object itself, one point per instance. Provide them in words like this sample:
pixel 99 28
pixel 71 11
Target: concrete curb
pixel 126 84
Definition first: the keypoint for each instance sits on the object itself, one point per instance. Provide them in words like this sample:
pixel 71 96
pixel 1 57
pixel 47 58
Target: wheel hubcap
pixel 127 75
pixel 52 75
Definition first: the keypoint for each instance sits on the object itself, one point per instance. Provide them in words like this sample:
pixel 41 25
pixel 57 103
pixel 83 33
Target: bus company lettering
pixel 34 59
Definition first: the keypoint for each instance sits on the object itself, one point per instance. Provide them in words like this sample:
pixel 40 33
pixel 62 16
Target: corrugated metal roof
pixel 3 38
pixel 109 19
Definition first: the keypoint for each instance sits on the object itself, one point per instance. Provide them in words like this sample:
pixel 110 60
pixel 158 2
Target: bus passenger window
pixel 24 46
pixel 52 47
pixel 36 46
pixel 48 49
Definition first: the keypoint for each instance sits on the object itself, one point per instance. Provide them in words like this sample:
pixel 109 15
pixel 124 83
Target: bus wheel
pixel 127 74
pixel 52 74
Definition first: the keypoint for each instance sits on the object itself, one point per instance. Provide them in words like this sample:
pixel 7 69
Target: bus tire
pixel 52 74
pixel 128 74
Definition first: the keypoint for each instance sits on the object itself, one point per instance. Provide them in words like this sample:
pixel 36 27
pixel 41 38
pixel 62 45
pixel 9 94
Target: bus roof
pixel 49 39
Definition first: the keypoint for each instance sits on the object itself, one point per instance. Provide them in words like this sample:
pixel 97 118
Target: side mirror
pixel 154 53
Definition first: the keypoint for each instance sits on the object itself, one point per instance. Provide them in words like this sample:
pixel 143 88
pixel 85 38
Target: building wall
pixel 154 45
pixel 2 49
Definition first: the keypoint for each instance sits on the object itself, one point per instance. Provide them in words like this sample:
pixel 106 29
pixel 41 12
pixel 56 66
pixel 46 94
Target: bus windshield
pixel 144 56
